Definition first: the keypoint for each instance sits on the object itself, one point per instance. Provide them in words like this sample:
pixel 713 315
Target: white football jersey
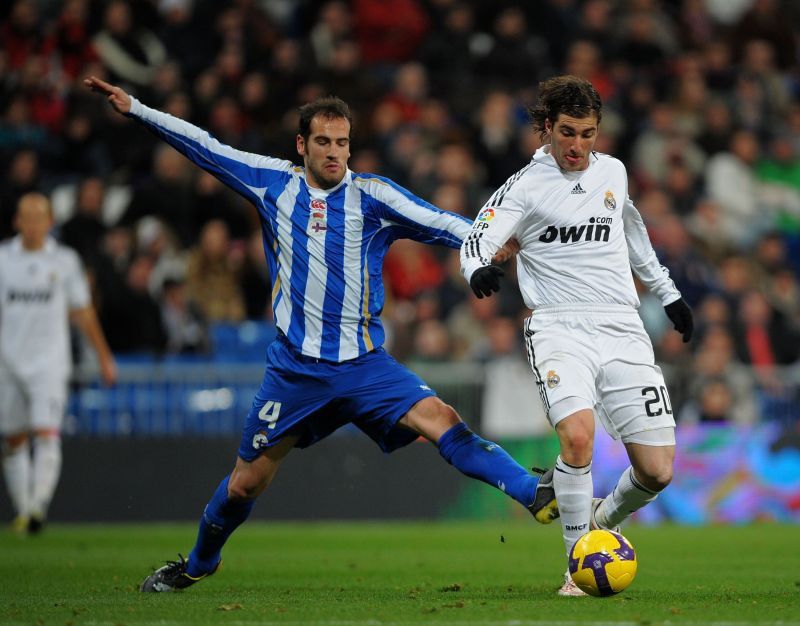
pixel 37 291
pixel 579 233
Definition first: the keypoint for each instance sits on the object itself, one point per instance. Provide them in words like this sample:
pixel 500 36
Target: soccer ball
pixel 602 563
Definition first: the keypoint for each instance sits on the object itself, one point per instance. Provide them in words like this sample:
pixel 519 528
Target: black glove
pixel 486 280
pixel 681 317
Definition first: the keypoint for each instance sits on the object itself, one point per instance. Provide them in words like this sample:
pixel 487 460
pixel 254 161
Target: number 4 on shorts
pixel 269 413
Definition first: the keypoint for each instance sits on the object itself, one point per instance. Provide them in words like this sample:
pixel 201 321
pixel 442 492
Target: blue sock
pixel 220 518
pixel 486 461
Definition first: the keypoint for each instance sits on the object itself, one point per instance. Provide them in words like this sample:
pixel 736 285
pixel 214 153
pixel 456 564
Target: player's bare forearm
pixel 116 96
pixel 86 320
pixel 508 251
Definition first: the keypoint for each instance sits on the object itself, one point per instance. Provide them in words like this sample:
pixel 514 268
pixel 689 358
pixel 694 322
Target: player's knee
pixel 577 457
pixel 663 478
pixel 247 485
pixel 241 490
pixel 47 433
pixel 577 446
pixel 11 443
pixel 447 415
pixel 431 418
pixel 576 436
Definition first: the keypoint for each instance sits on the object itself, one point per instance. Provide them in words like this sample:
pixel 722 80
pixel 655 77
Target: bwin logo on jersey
pixel 582 232
pixel 35 296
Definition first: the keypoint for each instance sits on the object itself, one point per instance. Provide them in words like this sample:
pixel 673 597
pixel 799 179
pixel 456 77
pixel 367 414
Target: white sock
pixel 627 497
pixel 46 472
pixel 17 472
pixel 573 487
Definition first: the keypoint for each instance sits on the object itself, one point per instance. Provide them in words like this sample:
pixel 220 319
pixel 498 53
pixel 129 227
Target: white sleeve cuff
pixel 137 108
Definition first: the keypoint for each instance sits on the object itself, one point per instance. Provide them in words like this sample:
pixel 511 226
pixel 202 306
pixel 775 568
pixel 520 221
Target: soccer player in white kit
pixel 580 235
pixel 42 286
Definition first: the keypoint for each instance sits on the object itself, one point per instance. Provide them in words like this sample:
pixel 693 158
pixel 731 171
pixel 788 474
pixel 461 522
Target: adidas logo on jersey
pixel 598 229
pixel 577 189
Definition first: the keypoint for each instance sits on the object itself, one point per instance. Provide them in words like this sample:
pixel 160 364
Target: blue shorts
pixel 311 398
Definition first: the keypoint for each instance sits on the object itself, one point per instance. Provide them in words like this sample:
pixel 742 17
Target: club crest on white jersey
pixel 610 201
pixel 580 235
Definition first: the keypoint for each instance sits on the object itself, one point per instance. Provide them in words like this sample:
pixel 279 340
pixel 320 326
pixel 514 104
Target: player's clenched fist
pixel 681 317
pixel 486 280
pixel 116 96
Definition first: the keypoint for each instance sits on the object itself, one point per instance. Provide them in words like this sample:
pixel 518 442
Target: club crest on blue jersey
pixel 318 218
pixel 260 440
pixel 610 201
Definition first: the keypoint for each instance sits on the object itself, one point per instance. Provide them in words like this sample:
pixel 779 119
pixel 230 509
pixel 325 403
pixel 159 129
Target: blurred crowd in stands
pixel 702 104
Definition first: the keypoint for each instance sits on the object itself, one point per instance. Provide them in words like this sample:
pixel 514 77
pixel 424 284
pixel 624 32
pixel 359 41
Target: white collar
pixel 49 245
pixel 543 156
pixel 322 193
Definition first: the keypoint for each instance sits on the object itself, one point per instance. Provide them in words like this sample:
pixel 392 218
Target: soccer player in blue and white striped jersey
pixel 326 231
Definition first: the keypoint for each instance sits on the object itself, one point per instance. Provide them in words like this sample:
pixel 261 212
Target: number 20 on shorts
pixel 655 400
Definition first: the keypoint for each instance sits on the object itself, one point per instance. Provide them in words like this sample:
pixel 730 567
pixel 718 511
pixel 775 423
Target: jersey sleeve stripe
pixel 365 308
pixel 408 210
pixel 500 194
pixel 532 360
pixel 473 247
pixel 244 171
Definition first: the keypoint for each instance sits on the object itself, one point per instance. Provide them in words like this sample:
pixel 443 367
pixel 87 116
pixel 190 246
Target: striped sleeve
pixel 411 217
pixel 495 224
pixel 246 173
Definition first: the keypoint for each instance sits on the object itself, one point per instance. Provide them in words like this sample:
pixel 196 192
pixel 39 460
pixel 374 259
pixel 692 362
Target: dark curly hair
pixel 570 95
pixel 329 107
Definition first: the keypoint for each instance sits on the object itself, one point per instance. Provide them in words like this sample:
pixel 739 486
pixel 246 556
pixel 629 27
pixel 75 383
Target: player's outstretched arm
pixel 116 96
pixel 241 171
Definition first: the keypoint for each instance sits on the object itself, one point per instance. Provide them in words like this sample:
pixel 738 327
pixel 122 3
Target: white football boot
pixel 570 589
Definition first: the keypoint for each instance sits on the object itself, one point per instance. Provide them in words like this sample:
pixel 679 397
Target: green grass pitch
pixel 397 573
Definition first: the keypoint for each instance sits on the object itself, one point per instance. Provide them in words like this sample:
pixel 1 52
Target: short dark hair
pixel 570 95
pixel 330 107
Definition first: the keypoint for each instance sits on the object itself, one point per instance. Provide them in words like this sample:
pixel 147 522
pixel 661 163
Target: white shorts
pixel 33 403
pixel 601 358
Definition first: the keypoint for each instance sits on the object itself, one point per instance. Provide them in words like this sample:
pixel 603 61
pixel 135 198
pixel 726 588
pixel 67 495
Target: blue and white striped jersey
pixel 325 248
